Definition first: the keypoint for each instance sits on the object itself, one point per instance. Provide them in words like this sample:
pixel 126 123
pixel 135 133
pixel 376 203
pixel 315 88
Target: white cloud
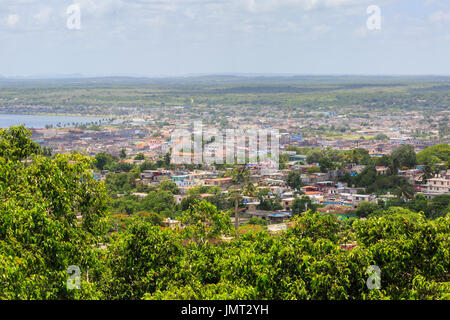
pixel 12 20
pixel 305 5
pixel 99 7
pixel 189 13
pixel 440 16
pixel 43 15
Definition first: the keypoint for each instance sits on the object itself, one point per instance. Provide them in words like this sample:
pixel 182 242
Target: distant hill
pixel 355 81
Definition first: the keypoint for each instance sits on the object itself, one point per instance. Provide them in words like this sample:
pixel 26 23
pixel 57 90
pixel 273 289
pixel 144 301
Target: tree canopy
pixel 54 214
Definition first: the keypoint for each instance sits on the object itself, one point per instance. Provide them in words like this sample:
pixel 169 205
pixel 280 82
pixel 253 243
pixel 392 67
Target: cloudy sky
pixel 179 37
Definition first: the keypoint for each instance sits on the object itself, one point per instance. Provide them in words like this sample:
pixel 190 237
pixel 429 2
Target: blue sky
pixel 179 37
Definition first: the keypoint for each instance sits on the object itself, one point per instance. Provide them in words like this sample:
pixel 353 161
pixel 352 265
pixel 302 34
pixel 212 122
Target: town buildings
pixel 438 185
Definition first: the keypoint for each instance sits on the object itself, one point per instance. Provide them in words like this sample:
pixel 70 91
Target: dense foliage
pixel 53 215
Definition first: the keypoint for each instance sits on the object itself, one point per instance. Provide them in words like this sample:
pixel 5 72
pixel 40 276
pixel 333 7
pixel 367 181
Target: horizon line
pixel 198 75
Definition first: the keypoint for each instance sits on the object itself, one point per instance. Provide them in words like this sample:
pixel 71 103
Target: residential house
pixel 438 185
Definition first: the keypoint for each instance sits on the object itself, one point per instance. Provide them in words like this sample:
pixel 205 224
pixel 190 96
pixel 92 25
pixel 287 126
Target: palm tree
pixel 427 173
pixel 240 174
pixel 404 191
pixel 249 190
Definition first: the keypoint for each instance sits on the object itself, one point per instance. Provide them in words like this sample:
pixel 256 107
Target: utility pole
pixel 236 214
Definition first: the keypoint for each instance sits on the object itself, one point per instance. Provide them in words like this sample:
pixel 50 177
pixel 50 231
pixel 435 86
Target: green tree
pixel 161 202
pixel 139 156
pixel 118 182
pixel 434 154
pixel 314 156
pixel 303 204
pixel 359 156
pixel 239 174
pixel 152 217
pixel 169 185
pixel 257 221
pixel 204 222
pixel 439 206
pixel 404 191
pixel 419 204
pixel 326 165
pixel 141 260
pixel 126 205
pixel 404 156
pixel 52 215
pixel 147 165
pixel 16 143
pixel 294 180
pixel 249 190
pixel 381 136
pixel 403 244
pixel 365 209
